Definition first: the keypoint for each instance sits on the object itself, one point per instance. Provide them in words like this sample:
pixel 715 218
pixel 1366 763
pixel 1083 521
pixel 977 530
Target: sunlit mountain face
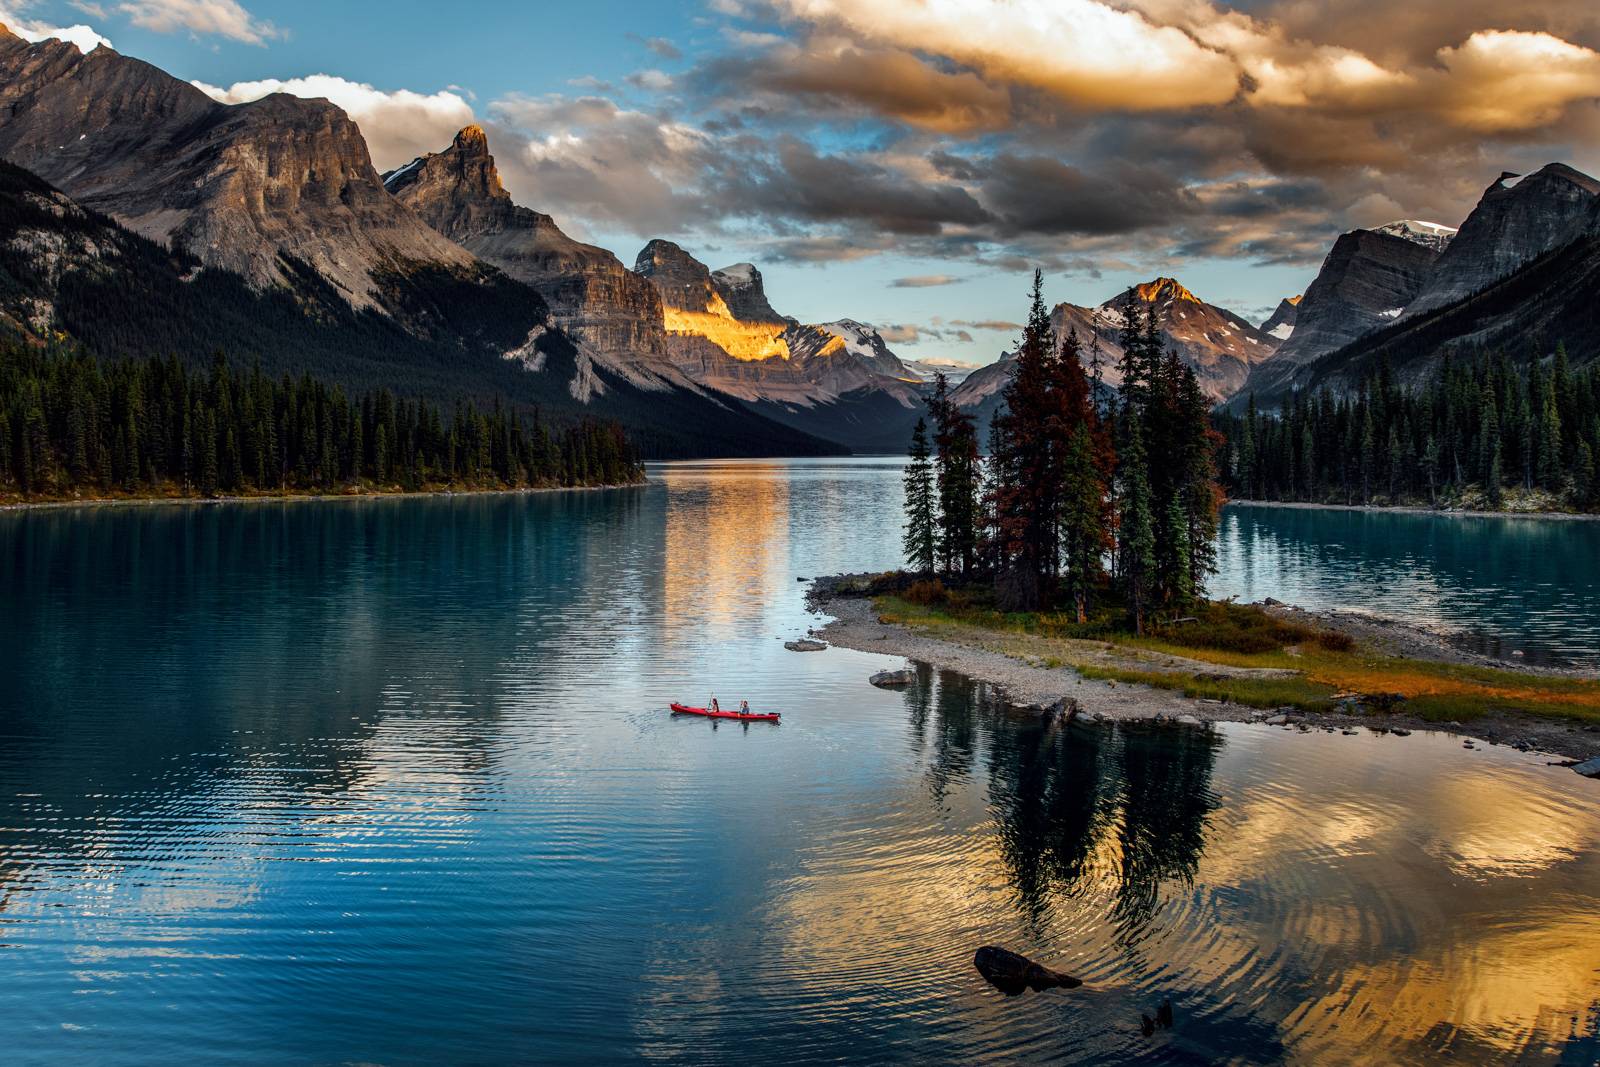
pixel 907 163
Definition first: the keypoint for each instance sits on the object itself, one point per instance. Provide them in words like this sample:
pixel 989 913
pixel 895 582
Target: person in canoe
pixel 744 707
pixel 712 704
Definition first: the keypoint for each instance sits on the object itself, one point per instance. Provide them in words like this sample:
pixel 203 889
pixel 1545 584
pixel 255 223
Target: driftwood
pixel 1011 973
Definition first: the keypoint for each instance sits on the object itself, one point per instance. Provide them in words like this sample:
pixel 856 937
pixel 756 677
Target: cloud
pixel 1501 80
pixel 925 281
pixel 651 174
pixel 909 334
pixel 660 46
pixel 1082 51
pixel 222 18
pixel 1083 137
pixel 86 38
pixel 398 126
pixel 654 81
pixel 840 76
pixel 990 325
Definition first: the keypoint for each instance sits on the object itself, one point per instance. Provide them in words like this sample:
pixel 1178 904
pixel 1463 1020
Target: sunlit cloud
pixel 86 38
pixel 222 18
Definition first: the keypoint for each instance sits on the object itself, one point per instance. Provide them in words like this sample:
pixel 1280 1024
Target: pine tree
pixel 1135 522
pixel 920 519
pixel 1551 472
pixel 1024 475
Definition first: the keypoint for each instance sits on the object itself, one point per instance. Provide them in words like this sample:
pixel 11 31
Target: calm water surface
pixel 1496 584
pixel 392 782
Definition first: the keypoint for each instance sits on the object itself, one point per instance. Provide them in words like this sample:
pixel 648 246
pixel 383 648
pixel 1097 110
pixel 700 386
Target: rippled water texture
pixel 1496 584
pixel 392 782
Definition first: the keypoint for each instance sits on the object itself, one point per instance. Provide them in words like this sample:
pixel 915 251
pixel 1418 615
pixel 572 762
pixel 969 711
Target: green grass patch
pixel 1326 664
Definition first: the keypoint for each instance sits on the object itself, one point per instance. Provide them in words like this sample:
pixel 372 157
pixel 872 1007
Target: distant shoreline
pixel 1412 509
pixel 285 498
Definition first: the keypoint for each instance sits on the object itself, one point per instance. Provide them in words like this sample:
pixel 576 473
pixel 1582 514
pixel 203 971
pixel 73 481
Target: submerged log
pixel 1011 973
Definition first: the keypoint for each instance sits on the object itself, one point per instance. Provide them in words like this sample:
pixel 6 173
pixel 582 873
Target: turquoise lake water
pixel 393 781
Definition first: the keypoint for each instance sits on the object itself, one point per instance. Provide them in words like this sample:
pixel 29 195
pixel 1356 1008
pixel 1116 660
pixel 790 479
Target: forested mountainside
pixel 70 274
pixel 72 427
pixel 1480 433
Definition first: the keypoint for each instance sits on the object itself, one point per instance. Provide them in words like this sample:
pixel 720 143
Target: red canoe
pixel 683 709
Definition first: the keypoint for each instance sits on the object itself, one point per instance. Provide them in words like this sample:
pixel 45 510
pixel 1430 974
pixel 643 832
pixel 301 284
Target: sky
pixel 909 162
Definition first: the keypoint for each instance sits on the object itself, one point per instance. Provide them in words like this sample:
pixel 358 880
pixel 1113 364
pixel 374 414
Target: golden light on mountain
pixel 744 341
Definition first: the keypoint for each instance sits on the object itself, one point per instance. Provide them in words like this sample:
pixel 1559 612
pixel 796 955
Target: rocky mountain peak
pixel 471 140
pixel 453 188
pixel 1281 322
pixel 611 311
pixel 684 282
pixel 244 187
pixel 1514 222
pixel 743 290
pixel 1161 290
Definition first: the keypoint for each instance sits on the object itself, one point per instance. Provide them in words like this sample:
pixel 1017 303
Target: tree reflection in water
pixel 1079 808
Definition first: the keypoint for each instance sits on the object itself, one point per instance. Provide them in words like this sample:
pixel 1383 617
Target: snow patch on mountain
pixel 1428 234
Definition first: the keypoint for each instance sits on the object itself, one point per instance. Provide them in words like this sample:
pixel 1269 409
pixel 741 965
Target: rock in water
pixel 1011 973
pixel 893 679
pixel 805 644
pixel 1589 768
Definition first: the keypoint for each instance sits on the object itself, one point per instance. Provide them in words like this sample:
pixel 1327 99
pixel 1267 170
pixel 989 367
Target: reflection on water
pixel 392 781
pixel 1496 584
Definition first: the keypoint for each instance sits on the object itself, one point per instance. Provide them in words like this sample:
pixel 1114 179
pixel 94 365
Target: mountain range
pixel 1521 274
pixel 139 215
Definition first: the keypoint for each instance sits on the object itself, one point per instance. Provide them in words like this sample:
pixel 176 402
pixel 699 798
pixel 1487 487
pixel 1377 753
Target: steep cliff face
pixel 1365 283
pixel 249 188
pixel 839 381
pixel 1523 271
pixel 744 291
pixel 603 305
pixel 694 309
pixel 1553 299
pixel 1513 223
pixel 1282 321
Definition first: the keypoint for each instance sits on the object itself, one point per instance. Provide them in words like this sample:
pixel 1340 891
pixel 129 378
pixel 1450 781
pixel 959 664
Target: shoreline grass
pixel 1269 662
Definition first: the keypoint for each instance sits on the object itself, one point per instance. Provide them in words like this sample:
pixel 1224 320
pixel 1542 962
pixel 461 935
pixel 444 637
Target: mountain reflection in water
pixel 393 781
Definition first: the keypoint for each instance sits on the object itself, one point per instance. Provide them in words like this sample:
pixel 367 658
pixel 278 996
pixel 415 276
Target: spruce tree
pixel 920 518
pixel 1136 527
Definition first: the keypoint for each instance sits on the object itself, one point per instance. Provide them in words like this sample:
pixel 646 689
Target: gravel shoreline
pixel 287 498
pixel 855 625
pixel 1414 509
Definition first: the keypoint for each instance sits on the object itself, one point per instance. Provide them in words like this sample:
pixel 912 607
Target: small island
pixel 1070 568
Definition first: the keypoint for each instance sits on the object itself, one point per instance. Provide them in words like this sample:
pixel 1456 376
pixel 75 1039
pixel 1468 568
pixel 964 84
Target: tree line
pixel 71 424
pixel 1483 427
pixel 1082 496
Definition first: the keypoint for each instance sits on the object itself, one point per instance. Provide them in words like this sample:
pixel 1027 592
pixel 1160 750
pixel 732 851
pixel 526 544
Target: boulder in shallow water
pixel 1012 973
pixel 805 644
pixel 893 679
pixel 1589 768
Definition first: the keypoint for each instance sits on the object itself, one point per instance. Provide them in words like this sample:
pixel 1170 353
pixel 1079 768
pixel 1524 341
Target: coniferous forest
pixel 1483 432
pixel 1081 499
pixel 73 426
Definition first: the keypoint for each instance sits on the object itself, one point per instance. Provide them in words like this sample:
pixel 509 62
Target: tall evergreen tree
pixel 920 540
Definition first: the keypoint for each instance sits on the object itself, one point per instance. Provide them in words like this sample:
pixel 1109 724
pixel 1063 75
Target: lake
pixel 392 781
pixel 1494 584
